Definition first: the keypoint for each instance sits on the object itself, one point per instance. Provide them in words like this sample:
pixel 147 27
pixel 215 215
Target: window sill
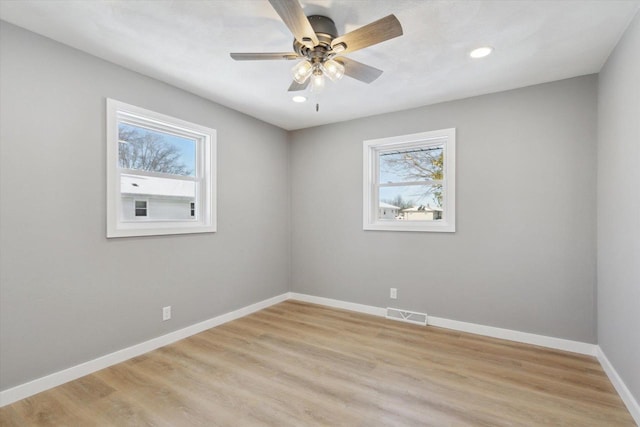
pixel 420 226
pixel 158 231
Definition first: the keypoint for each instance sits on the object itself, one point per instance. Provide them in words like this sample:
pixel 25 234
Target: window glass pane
pixel 151 150
pixel 410 203
pixel 168 196
pixel 419 164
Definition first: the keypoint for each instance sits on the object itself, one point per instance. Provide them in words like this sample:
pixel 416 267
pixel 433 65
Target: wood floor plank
pixel 300 364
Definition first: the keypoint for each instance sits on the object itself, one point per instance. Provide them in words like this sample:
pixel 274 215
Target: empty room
pixel 319 213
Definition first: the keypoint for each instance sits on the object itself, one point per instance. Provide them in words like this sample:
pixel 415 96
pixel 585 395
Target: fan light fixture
pixel 302 71
pixel 332 69
pixel 317 72
pixel 321 51
pixel 317 80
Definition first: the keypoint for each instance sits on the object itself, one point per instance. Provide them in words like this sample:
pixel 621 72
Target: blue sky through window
pixel 185 147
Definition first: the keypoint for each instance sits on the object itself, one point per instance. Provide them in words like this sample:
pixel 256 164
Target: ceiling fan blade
pixel 294 18
pixel 263 56
pixel 295 86
pixel 373 33
pixel 358 70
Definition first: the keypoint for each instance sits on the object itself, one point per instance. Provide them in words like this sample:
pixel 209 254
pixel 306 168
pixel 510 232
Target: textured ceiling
pixel 187 44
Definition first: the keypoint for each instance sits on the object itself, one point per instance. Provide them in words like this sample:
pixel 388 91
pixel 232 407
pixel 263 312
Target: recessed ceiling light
pixel 299 98
pixel 481 52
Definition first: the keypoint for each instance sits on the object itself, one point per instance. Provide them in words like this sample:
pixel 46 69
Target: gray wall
pixel 524 253
pixel 619 208
pixel 68 294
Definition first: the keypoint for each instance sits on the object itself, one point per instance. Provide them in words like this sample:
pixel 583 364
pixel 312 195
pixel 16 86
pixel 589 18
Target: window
pixel 156 165
pixel 412 176
pixel 140 208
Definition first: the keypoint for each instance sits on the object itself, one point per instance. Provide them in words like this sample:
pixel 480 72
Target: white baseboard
pixel 620 386
pixel 58 378
pixel 511 335
pixel 489 331
pixel 360 308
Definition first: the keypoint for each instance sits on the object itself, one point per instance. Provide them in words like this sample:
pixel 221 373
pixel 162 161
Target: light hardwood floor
pixel 298 364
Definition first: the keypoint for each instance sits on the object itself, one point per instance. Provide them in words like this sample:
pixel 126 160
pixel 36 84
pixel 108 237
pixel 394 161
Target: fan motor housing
pixel 323 25
pixel 325 30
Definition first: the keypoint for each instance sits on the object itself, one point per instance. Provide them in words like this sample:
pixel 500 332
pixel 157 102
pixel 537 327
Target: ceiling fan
pixel 321 51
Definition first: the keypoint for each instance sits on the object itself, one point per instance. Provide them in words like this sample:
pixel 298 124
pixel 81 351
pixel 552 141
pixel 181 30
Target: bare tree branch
pixel 417 165
pixel 149 152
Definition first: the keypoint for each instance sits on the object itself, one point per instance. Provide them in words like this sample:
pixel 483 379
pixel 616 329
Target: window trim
pixel 206 179
pixel 371 151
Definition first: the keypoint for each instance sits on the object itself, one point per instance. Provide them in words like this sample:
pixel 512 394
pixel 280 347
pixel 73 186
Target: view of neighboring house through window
pixel 140 207
pixel 409 182
pixel 157 166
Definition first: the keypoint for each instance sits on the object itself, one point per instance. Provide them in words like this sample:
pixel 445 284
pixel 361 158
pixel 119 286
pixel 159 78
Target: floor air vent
pixel 407 316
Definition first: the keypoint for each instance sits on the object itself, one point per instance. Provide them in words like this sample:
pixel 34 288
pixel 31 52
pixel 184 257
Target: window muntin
pixel 165 161
pixel 413 175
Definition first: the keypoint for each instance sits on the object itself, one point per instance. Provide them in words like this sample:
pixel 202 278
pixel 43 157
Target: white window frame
pixel 205 176
pixel 371 155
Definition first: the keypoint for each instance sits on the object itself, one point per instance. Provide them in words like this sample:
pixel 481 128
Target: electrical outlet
pixel 393 293
pixel 166 313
